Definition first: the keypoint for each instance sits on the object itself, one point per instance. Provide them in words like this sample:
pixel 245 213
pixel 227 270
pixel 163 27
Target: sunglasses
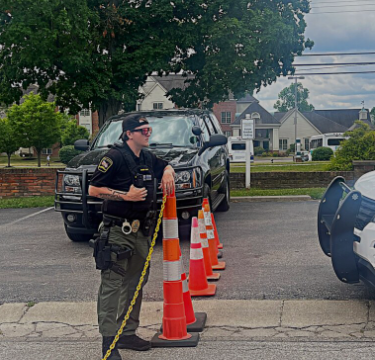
pixel 144 131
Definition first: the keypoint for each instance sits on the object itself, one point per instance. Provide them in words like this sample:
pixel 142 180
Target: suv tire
pixel 207 194
pixel 77 237
pixel 225 203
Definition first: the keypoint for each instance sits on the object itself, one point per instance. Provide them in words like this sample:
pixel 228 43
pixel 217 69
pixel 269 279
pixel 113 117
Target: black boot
pixel 133 342
pixel 107 342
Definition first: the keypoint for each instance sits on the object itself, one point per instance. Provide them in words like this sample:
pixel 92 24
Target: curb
pixel 289 198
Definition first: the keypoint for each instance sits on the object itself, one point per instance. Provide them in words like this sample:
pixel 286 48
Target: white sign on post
pixel 247 133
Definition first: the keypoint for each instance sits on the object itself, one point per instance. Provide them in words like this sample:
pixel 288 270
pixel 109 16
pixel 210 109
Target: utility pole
pixel 295 110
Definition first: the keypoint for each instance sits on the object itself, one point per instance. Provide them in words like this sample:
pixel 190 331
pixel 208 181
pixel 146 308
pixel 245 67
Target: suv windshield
pixel 174 130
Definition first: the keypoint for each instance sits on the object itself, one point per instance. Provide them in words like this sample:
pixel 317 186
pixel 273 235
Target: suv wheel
pixel 207 194
pixel 225 203
pixel 77 237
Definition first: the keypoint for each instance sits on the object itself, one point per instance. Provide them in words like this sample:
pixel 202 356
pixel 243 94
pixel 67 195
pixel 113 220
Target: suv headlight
pixel 188 179
pixel 72 184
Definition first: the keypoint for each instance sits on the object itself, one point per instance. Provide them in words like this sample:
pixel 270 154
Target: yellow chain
pixel 147 264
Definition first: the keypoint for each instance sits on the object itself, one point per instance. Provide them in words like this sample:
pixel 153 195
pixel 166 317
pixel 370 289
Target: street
pixel 271 252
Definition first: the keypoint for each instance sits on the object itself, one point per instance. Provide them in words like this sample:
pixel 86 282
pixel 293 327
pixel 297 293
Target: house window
pixel 226 117
pixel 307 144
pixel 283 144
pixel 85 112
pixel 157 106
pixel 227 133
pixel 47 151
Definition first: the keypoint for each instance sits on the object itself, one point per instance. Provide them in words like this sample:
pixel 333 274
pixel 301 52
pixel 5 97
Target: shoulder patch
pixel 105 164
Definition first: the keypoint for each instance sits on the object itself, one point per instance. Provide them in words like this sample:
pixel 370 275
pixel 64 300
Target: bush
pixel 73 132
pixel 360 146
pixel 266 154
pixel 275 154
pixel 258 150
pixel 67 153
pixel 322 154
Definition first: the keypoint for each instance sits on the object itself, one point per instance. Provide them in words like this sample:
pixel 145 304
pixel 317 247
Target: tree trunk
pixel 39 156
pixel 9 155
pixel 107 109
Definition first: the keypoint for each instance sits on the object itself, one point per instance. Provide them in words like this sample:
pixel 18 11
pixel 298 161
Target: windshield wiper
pixel 104 146
pixel 161 145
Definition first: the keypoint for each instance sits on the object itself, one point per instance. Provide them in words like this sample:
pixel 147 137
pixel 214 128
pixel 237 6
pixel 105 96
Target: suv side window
pixel 205 131
pixel 216 124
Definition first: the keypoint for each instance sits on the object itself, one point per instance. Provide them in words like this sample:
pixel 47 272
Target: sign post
pixel 247 133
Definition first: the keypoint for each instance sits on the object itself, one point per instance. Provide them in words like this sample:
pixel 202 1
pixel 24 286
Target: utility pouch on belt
pixel 150 219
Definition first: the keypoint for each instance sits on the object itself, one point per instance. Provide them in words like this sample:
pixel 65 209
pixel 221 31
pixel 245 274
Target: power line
pixel 337 64
pixel 336 2
pixel 339 54
pixel 337 73
pixel 335 6
pixel 340 12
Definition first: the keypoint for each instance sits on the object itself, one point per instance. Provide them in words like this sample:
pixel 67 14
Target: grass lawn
pixel 315 193
pixel 26 202
pixel 17 161
pixel 305 167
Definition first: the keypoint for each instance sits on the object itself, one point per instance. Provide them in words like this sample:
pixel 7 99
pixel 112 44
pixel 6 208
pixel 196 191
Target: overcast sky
pixel 350 30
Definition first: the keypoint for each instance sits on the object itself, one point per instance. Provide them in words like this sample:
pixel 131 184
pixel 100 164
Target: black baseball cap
pixel 131 122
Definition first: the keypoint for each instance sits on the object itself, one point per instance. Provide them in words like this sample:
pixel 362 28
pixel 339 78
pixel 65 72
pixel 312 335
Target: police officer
pixel 124 178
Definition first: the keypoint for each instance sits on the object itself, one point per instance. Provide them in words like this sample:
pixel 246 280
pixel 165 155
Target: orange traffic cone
pixel 218 244
pixel 198 284
pixel 189 311
pixel 216 265
pixel 174 319
pixel 210 275
pixel 215 232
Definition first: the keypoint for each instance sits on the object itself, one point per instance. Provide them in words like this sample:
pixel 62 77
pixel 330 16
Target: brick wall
pixel 226 106
pixel 27 182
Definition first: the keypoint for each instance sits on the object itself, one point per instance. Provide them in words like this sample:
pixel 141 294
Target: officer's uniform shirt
pixel 113 172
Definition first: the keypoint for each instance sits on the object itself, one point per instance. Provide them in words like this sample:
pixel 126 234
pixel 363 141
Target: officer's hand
pixel 167 182
pixel 136 194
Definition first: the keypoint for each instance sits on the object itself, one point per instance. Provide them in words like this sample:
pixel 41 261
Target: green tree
pixel 8 142
pixel 359 146
pixel 287 97
pixel 97 54
pixel 35 123
pixel 73 132
pixel 372 115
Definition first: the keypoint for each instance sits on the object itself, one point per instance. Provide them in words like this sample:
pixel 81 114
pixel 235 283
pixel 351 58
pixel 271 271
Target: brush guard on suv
pixel 87 209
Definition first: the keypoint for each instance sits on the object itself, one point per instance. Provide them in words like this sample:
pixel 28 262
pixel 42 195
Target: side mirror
pixel 197 130
pixel 215 140
pixel 82 144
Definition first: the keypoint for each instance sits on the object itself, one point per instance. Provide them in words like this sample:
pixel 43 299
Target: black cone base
pixel 198 325
pixel 191 342
pixel 219 255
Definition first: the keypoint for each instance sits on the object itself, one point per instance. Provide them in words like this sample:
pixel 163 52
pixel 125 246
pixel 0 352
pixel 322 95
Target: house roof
pixel 265 116
pixel 33 88
pixel 327 121
pixel 172 81
pixel 247 99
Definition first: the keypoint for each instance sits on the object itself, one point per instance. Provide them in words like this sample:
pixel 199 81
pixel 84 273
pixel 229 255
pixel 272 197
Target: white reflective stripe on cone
pixel 207 219
pixel 196 254
pixel 170 229
pixel 185 287
pixel 201 226
pixel 210 234
pixel 195 236
pixel 171 270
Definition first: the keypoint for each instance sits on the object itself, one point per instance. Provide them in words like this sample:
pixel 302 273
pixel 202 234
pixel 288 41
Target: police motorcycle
pixel 346 228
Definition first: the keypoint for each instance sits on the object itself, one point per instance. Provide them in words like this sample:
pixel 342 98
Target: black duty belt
pixel 128 226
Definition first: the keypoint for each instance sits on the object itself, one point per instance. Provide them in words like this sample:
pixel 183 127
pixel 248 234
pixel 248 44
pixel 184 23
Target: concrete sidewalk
pixel 227 320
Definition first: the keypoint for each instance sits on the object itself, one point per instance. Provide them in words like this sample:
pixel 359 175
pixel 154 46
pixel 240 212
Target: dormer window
pixel 256 117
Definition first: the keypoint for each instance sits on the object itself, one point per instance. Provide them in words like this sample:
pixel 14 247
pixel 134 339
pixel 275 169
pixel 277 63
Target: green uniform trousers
pixel 116 291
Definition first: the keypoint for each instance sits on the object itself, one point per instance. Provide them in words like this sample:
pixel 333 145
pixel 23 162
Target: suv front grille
pixel 365 214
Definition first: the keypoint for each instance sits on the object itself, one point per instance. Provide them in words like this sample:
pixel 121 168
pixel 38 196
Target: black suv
pixel 190 140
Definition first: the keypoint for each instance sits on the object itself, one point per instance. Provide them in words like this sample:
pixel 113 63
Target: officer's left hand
pixel 167 181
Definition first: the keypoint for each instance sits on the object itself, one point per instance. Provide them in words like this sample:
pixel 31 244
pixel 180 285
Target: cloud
pixel 342 32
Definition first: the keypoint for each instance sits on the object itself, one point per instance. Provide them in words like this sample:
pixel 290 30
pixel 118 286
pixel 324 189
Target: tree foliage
pixel 287 97
pixel 360 146
pixel 73 132
pixel 96 54
pixel 8 141
pixel 35 123
pixel 67 153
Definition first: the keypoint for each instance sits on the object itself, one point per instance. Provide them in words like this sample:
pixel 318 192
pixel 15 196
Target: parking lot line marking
pixel 27 217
